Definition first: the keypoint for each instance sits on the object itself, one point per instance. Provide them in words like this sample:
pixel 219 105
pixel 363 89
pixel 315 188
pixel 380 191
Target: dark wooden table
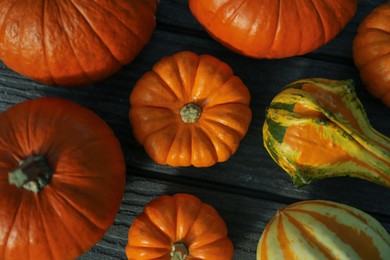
pixel 250 187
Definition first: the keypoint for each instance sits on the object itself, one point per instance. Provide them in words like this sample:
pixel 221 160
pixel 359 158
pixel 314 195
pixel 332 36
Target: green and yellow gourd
pixel 318 128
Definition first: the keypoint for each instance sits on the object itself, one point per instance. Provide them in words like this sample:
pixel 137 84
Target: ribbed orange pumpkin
pixel 371 52
pixel 178 227
pixel 62 176
pixel 69 43
pixel 273 28
pixel 317 229
pixel 190 110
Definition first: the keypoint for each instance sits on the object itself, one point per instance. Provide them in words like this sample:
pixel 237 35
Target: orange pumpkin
pixel 371 48
pixel 178 227
pixel 62 176
pixel 71 43
pixel 273 28
pixel 190 110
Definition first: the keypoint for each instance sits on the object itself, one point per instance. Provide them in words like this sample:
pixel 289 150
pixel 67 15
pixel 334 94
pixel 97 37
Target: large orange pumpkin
pixel 190 110
pixel 178 227
pixel 62 176
pixel 69 43
pixel 371 52
pixel 273 28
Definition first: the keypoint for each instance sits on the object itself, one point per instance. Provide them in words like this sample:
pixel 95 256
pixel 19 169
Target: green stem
pixel 179 251
pixel 190 113
pixel 33 174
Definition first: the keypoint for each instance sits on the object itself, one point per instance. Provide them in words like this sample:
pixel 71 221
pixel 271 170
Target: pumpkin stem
pixel 33 174
pixel 190 113
pixel 179 251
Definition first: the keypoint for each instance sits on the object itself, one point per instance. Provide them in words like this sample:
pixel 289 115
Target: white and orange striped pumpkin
pixel 318 229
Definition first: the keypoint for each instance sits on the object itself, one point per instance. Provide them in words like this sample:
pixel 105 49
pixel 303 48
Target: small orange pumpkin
pixel 178 227
pixel 371 52
pixel 190 110
pixel 71 43
pixel 273 28
pixel 62 176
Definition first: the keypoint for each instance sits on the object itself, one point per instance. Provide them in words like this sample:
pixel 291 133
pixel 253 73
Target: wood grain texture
pixel 247 189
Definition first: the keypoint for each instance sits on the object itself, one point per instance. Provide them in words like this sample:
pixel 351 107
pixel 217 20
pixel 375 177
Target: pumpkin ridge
pixel 207 107
pixel 80 146
pixel 28 128
pixel 136 36
pixel 155 131
pixel 44 53
pixel 44 228
pixel 194 200
pixel 163 252
pixel 210 243
pixel 271 48
pixel 218 66
pixel 67 229
pixel 361 48
pixel 72 47
pixel 6 16
pixel 210 130
pixel 150 220
pixel 62 197
pixel 236 9
pixel 166 85
pixel 376 60
pixel 192 225
pixel 7 236
pixel 184 90
pixel 171 151
pixel 95 32
pixel 378 30
pixel 200 130
pixel 321 19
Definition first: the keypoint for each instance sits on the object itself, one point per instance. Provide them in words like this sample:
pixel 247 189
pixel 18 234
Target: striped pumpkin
pixel 318 229
pixel 318 128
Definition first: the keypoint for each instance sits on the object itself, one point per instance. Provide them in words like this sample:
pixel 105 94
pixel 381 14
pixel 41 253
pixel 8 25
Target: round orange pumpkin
pixel 62 176
pixel 273 28
pixel 319 229
pixel 371 52
pixel 178 227
pixel 70 43
pixel 190 110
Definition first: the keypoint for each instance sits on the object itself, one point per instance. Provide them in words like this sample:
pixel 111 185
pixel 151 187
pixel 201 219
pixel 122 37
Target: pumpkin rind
pixel 273 28
pixel 318 128
pixel 371 52
pixel 318 229
pixel 181 218
pixel 72 43
pixel 73 212
pixel 176 81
